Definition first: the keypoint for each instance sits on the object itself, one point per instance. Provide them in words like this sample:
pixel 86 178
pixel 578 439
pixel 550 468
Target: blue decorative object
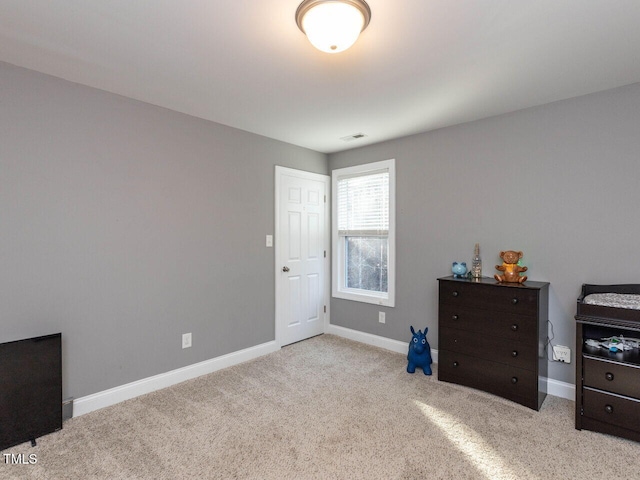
pixel 419 352
pixel 459 269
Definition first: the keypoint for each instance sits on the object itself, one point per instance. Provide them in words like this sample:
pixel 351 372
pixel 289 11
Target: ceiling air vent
pixel 351 138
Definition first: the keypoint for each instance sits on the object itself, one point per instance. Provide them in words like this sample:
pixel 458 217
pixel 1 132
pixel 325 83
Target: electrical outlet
pixel 381 317
pixel 561 354
pixel 186 340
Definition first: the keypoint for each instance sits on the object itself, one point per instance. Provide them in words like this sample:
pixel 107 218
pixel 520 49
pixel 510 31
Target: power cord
pixel 553 335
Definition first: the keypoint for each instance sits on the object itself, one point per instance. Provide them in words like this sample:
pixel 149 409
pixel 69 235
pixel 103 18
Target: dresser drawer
pixel 517 354
pixel 506 381
pixel 611 409
pixel 611 376
pixel 510 299
pixel 500 324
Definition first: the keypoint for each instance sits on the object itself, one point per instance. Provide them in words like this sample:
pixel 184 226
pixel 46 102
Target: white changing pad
pixel 615 300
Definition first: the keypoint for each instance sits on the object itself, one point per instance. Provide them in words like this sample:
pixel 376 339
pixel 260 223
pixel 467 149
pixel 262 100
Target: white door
pixel 301 254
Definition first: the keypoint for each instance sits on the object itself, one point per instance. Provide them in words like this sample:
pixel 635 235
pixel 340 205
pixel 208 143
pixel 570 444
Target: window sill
pixel 364 298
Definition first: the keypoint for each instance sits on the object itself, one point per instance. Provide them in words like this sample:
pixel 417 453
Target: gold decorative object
pixel 476 263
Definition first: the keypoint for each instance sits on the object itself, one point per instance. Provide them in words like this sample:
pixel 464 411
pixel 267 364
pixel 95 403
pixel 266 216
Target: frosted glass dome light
pixel 332 26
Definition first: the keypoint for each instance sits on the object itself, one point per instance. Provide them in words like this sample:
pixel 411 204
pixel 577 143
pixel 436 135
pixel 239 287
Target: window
pixel 364 233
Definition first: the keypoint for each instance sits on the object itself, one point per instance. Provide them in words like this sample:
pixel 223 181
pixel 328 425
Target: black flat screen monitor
pixel 30 389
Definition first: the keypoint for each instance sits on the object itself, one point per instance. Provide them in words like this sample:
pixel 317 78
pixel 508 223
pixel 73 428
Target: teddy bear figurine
pixel 510 268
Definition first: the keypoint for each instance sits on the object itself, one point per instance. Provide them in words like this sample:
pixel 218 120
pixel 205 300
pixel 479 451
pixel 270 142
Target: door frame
pixel 326 179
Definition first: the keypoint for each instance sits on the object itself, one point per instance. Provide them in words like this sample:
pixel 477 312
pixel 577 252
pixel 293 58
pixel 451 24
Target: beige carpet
pixel 326 408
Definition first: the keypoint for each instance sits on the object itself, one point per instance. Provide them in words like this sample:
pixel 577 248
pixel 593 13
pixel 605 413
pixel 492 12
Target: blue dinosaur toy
pixel 419 352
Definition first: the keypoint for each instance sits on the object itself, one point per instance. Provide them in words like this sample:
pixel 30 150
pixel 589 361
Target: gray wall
pixel 124 225
pixel 559 182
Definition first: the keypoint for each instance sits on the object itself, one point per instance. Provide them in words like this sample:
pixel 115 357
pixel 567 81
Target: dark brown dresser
pixel 607 382
pixel 492 336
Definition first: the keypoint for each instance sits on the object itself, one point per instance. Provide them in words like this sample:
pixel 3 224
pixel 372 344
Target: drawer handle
pixel 514 327
pixel 514 380
pixel 514 301
pixel 455 364
pixel 514 354
pixel 608 376
pixel 455 294
pixel 454 317
pixel 608 408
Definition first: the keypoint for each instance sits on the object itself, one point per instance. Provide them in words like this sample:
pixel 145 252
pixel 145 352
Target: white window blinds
pixel 363 204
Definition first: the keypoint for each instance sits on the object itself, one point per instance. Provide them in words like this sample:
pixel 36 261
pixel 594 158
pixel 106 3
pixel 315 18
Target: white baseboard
pixel 375 340
pixel 561 389
pixel 554 387
pixel 119 394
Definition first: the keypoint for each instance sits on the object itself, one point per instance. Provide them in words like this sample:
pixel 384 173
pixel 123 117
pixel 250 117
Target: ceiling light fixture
pixel 332 26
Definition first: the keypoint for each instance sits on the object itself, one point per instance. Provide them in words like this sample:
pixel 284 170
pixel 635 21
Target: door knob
pixel 285 269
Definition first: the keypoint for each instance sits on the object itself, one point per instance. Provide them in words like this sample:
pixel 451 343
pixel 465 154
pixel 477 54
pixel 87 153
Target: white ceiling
pixel 420 65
